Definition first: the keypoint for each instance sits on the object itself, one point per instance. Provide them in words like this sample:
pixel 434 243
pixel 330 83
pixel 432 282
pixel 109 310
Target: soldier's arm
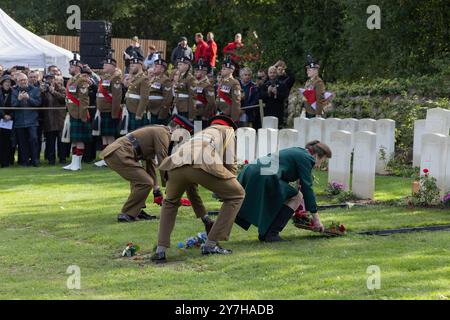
pixel 83 97
pixel 229 153
pixel 210 94
pixel 192 107
pixel 320 97
pixel 144 90
pixel 236 98
pixel 167 95
pixel 116 90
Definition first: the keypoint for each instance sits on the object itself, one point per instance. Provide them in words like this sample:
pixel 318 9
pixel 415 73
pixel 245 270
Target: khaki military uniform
pixel 123 157
pixel 112 85
pixel 209 160
pixel 77 98
pixel 184 95
pixel 137 95
pixel 318 86
pixel 229 100
pixel 160 97
pixel 205 99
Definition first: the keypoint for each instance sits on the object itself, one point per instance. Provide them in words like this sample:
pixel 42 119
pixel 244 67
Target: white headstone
pixel 270 123
pixel 339 164
pixel 364 164
pixel 367 125
pixel 246 144
pixel 331 125
pixel 316 128
pixel 438 121
pixel 434 157
pixel 350 125
pixel 385 143
pixel 419 130
pixel 302 126
pixel 267 141
pixel 287 138
pixel 447 170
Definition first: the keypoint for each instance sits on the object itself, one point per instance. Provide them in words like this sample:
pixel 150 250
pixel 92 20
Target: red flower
pixel 426 171
pixel 246 162
pixel 342 228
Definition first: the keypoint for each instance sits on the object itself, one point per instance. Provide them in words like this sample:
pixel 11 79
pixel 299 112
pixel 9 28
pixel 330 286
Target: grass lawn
pixel 50 219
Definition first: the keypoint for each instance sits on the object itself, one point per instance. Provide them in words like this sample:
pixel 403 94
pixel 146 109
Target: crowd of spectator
pixel 36 91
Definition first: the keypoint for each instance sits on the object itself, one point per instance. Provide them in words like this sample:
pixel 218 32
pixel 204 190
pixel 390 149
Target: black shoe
pixel 261 238
pixel 125 218
pixel 159 258
pixel 144 216
pixel 214 250
pixel 273 238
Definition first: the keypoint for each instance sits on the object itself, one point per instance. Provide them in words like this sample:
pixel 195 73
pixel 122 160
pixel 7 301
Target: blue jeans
pixel 28 145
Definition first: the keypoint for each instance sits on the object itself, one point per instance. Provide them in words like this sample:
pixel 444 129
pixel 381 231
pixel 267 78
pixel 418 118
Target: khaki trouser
pixel 181 179
pixel 124 163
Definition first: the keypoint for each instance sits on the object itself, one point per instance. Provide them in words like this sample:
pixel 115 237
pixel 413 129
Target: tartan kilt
pixel 134 124
pixel 109 126
pixel 80 131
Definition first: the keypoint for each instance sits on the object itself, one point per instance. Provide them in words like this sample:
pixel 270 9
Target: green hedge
pixel 402 100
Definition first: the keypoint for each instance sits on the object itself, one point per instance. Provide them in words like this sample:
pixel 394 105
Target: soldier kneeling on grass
pixel 124 156
pixel 209 160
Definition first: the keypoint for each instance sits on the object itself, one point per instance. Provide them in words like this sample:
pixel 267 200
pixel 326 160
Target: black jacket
pixel 274 105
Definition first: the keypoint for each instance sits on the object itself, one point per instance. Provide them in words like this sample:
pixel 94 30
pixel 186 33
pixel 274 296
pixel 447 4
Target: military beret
pixel 161 62
pixel 201 65
pixel 224 121
pixel 183 122
pixel 136 60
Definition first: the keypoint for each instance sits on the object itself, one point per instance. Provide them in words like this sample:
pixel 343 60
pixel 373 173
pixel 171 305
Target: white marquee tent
pixel 20 47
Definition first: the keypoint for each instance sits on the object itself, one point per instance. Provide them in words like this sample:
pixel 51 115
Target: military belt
pixel 133 96
pixel 136 145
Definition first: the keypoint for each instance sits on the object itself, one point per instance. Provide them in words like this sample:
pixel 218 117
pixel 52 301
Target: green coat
pixel 266 194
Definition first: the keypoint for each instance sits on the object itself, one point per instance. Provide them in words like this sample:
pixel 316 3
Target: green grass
pixel 50 219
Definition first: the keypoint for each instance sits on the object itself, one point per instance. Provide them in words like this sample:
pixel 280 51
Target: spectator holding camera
pixel 53 96
pixel 181 51
pixel 274 93
pixel 26 121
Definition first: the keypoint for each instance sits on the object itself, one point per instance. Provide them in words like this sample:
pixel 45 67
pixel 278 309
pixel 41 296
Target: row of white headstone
pixel 364 137
pixel 432 146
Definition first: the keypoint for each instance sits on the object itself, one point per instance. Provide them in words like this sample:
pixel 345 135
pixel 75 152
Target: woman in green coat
pixel 270 200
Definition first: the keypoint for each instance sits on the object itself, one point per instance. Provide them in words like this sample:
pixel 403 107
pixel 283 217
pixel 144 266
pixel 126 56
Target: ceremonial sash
pixel 105 92
pixel 75 100
pixel 202 99
pixel 71 97
pixel 310 96
pixel 225 98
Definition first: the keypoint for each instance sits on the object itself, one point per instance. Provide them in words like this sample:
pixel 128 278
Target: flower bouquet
pixel 303 220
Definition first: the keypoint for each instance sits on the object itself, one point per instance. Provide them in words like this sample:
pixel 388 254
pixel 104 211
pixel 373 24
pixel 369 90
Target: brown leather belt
pixel 136 145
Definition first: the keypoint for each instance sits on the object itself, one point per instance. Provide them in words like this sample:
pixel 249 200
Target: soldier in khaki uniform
pixel 77 102
pixel 229 92
pixel 183 83
pixel 209 160
pixel 109 98
pixel 205 96
pixel 136 98
pixel 316 84
pixel 160 94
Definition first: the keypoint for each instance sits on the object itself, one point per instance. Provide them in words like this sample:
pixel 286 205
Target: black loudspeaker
pixel 95 42
pixel 96 26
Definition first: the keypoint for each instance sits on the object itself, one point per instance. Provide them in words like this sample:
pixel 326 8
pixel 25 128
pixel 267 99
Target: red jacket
pixel 230 49
pixel 200 52
pixel 211 53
